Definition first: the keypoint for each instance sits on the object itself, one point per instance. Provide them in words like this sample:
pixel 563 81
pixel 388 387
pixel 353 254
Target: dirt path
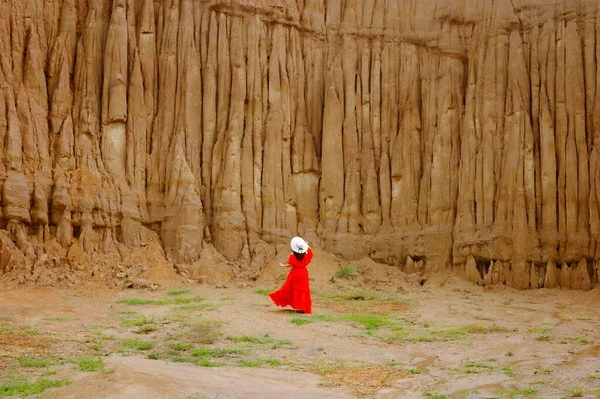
pixel 454 340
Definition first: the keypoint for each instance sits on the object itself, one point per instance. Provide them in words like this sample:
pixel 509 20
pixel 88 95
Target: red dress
pixel 296 290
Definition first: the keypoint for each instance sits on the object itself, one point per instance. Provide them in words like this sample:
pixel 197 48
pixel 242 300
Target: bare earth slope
pixel 455 132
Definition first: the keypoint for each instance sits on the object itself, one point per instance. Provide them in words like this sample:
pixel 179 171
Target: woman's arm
pixel 285 265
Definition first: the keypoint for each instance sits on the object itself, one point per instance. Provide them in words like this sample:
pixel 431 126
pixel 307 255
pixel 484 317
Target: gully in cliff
pixel 296 290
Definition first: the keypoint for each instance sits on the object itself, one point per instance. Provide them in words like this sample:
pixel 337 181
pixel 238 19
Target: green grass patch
pixel 205 363
pixel 541 330
pixel 154 356
pixel 217 353
pixel 413 371
pixel 266 339
pixel 263 291
pixel 178 292
pixel 472 371
pixel 579 340
pixel 507 370
pixel 138 344
pixel 519 392
pixel 454 333
pixel 299 321
pixel 139 320
pixel 141 301
pixel 192 308
pixel 90 364
pixel 20 387
pixel 145 329
pixel 181 346
pixel 31 362
pixel 249 363
pixel 273 362
pixel 576 391
pixel 185 301
pixel 346 271
pixel 434 395
pixel 373 321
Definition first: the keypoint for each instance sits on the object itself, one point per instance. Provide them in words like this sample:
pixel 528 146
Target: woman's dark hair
pixel 298 255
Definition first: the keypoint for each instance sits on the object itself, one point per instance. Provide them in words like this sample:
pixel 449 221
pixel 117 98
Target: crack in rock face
pixel 430 135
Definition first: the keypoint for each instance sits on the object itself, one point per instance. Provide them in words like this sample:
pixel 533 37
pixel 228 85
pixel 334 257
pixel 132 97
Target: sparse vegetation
pixel 35 362
pixel 137 344
pixel 263 291
pixel 140 301
pixel 218 353
pixel 413 371
pixel 145 329
pixel 519 392
pixel 21 387
pixel 90 364
pixel 299 321
pixel 177 292
pixel 184 301
pixel 507 370
pixel 346 271
pixel 575 391
pixel 541 330
pixel 181 346
pixel 433 395
pixel 203 332
pixel 362 379
pixel 138 321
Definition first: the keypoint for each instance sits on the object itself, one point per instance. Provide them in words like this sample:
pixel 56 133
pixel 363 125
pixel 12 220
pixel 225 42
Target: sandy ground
pixel 446 338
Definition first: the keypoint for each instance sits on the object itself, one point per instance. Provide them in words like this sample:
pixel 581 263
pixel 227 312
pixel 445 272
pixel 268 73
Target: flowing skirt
pixel 295 292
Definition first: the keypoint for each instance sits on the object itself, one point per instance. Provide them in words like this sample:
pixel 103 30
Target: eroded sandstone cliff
pixel 445 134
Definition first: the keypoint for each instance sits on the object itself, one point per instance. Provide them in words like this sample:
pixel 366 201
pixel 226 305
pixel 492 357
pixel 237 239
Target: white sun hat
pixel 299 245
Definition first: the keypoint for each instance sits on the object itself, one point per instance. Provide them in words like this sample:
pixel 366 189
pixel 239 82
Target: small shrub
pixel 576 391
pixel 145 329
pixel 346 271
pixel 203 332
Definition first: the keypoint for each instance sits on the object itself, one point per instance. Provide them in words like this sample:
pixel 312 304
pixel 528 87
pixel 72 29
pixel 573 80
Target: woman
pixel 295 292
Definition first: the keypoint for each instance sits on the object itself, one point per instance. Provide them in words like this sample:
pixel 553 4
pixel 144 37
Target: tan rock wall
pixel 460 133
